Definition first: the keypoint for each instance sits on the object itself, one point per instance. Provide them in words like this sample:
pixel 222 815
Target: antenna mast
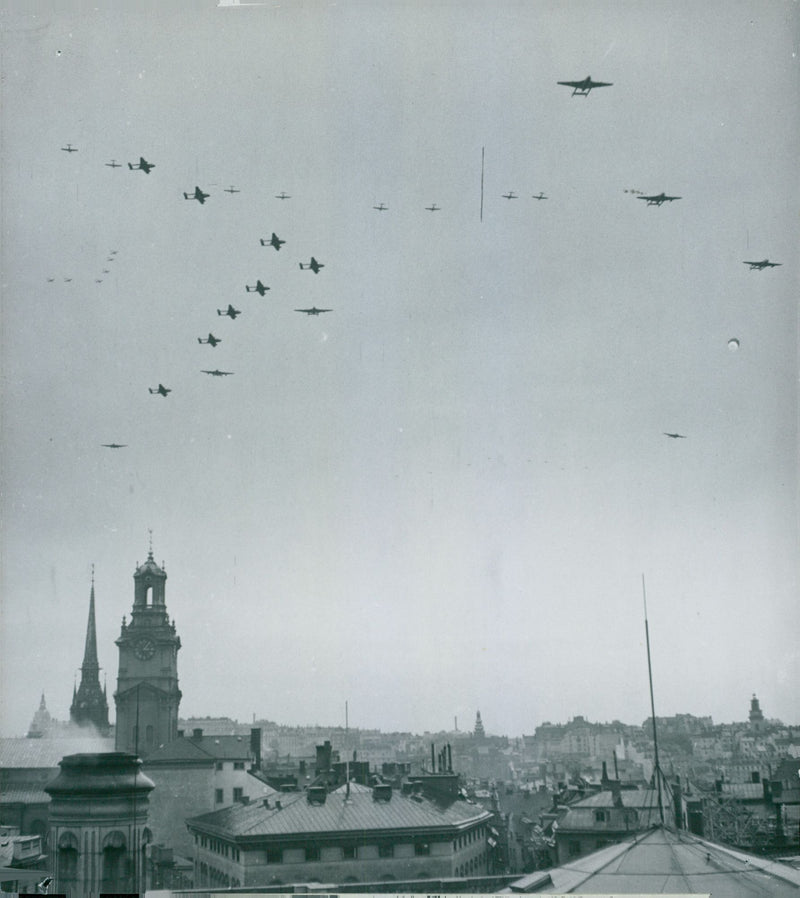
pixel 652 706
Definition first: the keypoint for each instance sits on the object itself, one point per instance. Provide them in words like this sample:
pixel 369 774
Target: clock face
pixel 144 648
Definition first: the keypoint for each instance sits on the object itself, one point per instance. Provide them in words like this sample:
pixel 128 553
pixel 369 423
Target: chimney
pixel 255 746
pixel 382 792
pixel 604 779
pixel 433 759
pixel 449 758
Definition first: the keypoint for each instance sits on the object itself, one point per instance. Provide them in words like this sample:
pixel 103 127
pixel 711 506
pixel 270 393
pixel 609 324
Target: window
pixel 422 848
pixel 238 765
pixel 219 796
pixel 238 793
pixel 349 853
pixel 219 765
pixel 312 853
pixel 385 850
pixel 574 848
pixel 274 856
pixel 600 816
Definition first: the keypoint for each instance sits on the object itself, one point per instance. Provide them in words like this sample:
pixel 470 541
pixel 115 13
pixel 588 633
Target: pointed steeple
pixel 90 650
pixel 89 704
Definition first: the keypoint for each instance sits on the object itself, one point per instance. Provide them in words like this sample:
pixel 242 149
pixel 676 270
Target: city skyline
pixel 442 494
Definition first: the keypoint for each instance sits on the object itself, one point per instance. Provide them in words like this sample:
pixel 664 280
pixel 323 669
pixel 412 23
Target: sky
pixel 445 494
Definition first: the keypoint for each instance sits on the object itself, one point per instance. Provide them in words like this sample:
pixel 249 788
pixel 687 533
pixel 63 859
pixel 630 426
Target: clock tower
pixel 147 695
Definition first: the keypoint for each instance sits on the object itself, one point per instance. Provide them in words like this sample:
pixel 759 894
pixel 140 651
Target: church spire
pixel 89 703
pixel 90 649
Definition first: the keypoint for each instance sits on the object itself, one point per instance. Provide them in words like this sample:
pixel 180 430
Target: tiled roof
pixel 665 861
pixel 202 748
pixel 45 752
pixel 338 814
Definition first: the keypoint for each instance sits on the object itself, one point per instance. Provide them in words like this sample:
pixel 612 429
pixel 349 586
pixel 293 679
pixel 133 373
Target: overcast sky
pixel 440 496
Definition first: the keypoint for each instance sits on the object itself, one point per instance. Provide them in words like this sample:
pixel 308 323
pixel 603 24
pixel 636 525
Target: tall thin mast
pixel 652 706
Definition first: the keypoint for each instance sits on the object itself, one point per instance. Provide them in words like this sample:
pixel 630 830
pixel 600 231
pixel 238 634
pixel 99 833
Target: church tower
pixel 89 702
pixel 147 695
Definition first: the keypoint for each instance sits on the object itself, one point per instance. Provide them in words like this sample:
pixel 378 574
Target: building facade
pixel 354 834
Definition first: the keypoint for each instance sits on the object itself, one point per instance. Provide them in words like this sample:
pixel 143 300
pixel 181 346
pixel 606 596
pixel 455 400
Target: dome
pixel 149 568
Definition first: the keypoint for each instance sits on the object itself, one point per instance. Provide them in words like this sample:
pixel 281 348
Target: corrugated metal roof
pixel 631 798
pixel 31 753
pixel 666 861
pixel 337 814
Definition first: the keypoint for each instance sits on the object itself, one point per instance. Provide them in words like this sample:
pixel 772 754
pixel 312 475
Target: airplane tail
pixel 263 242
pixel 130 166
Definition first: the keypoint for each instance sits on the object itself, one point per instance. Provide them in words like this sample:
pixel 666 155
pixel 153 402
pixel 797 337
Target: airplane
pixel 380 207
pixel 230 312
pixel 432 208
pixel 67 280
pixel 98 280
pixel 582 88
pixel 658 199
pixel 69 148
pixel 114 445
pixel 142 165
pixel 274 240
pixel 161 389
pixel 197 195
pixel 539 196
pixel 258 288
pixel 216 372
pixel 313 311
pixel 232 189
pixel 50 280
pixel 282 196
pixel 760 266
pixel 313 265
pixel 675 436
pixel 113 164
pixel 210 339
pixel 113 252
pixel 510 195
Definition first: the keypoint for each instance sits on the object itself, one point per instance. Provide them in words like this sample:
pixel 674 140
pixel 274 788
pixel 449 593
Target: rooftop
pixel 338 813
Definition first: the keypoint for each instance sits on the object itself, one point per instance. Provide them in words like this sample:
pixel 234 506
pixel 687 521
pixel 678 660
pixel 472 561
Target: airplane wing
pixel 576 84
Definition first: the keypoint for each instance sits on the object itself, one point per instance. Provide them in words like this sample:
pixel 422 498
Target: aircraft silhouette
pixel 69 148
pixel 282 196
pixel 274 240
pixel 258 288
pixel 658 199
pixel 230 312
pixel 210 339
pixel 197 195
pixel 232 189
pixel 582 88
pixel 381 207
pixel 160 389
pixel 432 208
pixel 313 265
pixel 675 436
pixel 539 196
pixel 114 445
pixel 313 311
pixel 216 372
pixel 510 195
pixel 142 165
pixel 113 164
pixel 764 263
